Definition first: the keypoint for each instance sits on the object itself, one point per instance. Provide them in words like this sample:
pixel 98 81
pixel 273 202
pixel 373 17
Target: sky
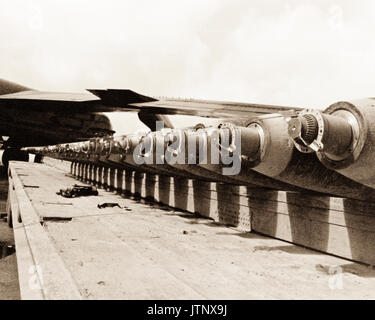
pixel 293 53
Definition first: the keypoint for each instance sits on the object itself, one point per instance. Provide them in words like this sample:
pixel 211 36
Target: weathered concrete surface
pixel 143 251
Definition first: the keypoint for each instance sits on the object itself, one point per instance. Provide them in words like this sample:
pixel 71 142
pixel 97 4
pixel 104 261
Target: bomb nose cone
pixel 304 127
pixel 328 133
pixel 294 127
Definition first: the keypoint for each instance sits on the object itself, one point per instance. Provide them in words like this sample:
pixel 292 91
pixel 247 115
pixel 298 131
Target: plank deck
pixel 149 251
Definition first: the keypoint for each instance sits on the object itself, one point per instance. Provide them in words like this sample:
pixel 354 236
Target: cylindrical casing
pixel 190 140
pixel 246 175
pixel 276 147
pixel 284 163
pixel 337 136
pixel 123 150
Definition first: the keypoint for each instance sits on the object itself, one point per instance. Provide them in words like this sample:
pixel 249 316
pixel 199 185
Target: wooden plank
pixel 285 215
pixel 150 252
pixel 315 201
pixel 55 280
pixel 185 194
pixel 354 244
pixel 30 288
pixel 29 282
pixel 62 165
pixel 345 218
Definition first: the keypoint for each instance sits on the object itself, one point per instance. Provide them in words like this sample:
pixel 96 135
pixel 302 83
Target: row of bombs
pixel 327 152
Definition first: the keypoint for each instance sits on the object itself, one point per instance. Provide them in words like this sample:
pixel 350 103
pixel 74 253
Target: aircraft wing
pixel 211 109
pixel 115 100
pixel 33 117
pixel 99 100
pixel 31 95
pixel 127 99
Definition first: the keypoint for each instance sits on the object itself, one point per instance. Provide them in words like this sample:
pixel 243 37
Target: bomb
pixel 342 136
pixel 280 160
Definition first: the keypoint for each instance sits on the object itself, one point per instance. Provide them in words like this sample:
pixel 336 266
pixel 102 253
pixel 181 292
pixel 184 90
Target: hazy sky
pixel 305 53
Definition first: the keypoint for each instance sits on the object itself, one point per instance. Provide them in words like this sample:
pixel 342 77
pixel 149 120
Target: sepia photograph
pixel 187 154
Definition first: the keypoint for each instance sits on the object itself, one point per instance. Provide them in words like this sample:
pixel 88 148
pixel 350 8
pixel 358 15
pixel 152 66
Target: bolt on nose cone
pixel 294 127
